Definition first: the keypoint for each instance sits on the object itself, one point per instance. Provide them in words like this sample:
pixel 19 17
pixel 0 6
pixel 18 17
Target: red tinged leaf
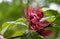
pixel 44 32
pixel 30 9
pixel 25 11
pixel 43 22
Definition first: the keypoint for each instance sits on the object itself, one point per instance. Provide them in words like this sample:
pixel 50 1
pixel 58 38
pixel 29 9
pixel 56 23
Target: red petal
pixel 38 12
pixel 45 32
pixel 25 11
pixel 43 22
pixel 29 11
pixel 39 27
pixel 32 15
pixel 34 20
pixel 32 27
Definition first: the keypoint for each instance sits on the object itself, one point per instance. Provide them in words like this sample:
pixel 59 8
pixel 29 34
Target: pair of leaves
pixel 14 28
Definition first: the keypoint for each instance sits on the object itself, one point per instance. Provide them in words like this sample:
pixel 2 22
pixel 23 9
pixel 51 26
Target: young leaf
pixel 50 18
pixel 51 13
pixel 57 20
pixel 10 29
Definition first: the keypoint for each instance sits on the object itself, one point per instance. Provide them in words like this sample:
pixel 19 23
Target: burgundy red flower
pixel 36 20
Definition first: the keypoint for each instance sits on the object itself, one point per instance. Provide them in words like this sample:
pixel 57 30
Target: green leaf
pixel 6 29
pixel 57 20
pixel 14 28
pixel 22 21
pixel 51 13
pixel 3 30
pixel 50 18
pixel 31 35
